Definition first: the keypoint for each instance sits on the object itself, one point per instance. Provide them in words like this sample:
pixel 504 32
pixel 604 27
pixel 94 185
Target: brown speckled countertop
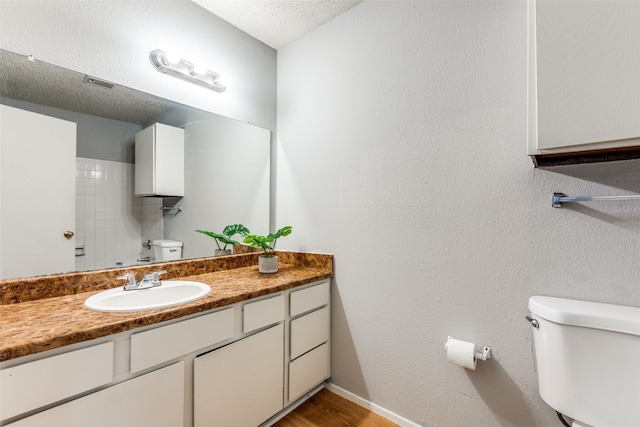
pixel 48 312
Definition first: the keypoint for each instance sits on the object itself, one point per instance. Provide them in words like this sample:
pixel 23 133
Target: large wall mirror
pixel 227 174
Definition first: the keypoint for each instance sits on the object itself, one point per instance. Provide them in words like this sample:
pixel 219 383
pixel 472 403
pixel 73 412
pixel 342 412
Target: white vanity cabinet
pixel 155 399
pixel 584 91
pixel 34 384
pixel 240 384
pixel 238 365
pixel 155 346
pixel 159 167
pixel 309 331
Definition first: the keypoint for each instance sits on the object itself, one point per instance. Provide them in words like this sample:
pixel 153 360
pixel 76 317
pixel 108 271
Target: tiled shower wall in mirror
pixel 111 222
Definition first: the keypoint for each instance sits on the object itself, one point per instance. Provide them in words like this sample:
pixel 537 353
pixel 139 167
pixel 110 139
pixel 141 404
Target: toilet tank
pixel 167 250
pixel 588 360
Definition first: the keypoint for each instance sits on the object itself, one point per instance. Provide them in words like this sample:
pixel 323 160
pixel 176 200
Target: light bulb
pixel 172 58
pixel 199 69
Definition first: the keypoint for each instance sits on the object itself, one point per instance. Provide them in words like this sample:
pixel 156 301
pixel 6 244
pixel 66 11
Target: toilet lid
pixel 608 317
pixel 167 243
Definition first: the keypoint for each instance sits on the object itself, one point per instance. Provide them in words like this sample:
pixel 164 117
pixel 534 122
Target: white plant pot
pixel 268 264
pixel 221 252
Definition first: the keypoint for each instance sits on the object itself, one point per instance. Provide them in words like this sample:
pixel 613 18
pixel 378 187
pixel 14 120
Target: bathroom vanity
pixel 239 356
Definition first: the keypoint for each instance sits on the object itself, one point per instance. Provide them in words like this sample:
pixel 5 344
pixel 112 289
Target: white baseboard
pixel 391 416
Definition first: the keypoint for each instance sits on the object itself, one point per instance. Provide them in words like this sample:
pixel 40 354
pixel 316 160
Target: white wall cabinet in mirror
pixel 226 175
pixel 159 169
pixel 584 91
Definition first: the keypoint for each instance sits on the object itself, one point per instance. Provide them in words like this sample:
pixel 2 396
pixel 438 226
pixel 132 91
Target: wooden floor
pixel 327 409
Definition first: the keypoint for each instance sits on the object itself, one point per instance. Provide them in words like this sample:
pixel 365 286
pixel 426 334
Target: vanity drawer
pixel 35 384
pixel 309 331
pixel 263 313
pixel 162 344
pixel 308 371
pixel 309 298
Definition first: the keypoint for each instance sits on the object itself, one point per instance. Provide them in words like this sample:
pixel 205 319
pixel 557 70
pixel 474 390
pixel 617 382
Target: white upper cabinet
pixel 160 161
pixel 584 89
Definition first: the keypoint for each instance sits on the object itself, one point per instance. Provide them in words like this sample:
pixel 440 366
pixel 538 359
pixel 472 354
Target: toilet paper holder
pixel 482 354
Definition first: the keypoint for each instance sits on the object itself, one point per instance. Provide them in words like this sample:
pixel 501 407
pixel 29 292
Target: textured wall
pixel 402 150
pixel 112 40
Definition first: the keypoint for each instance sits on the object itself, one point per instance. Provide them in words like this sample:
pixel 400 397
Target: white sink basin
pixel 171 293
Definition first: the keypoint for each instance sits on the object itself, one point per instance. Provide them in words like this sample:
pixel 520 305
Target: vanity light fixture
pixel 185 70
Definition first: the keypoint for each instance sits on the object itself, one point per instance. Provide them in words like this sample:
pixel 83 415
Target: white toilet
pixel 167 250
pixel 588 360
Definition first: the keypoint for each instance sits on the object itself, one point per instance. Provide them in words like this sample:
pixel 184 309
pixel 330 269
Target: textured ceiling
pixel 276 22
pixel 45 84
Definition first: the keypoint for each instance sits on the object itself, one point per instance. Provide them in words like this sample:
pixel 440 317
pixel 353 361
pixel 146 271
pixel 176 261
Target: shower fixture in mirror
pixel 227 173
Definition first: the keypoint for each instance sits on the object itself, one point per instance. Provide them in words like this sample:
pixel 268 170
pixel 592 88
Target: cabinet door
pixel 149 348
pixel 588 91
pixel 260 314
pixel 37 195
pixel 159 161
pixel 308 299
pixel 155 399
pixel 26 387
pixel 309 331
pixel 308 370
pixel 240 385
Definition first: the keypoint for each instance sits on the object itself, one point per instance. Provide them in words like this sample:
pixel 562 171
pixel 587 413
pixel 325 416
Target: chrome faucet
pixel 150 280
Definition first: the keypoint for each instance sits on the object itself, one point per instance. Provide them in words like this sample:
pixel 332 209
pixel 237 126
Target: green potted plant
pixel 225 238
pixel 267 263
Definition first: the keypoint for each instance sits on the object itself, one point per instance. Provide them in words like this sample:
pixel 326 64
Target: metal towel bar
pixel 560 198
